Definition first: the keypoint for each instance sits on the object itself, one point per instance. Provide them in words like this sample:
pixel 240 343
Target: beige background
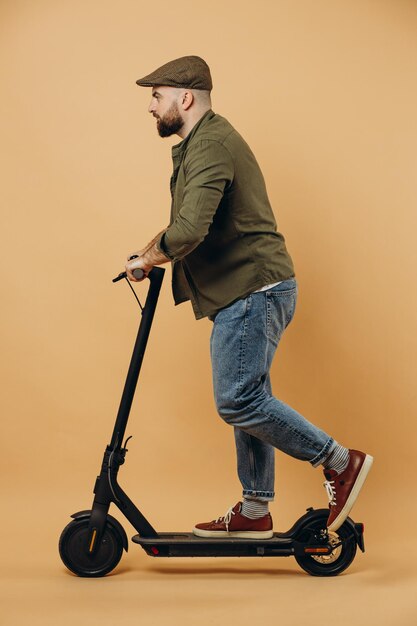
pixel 325 93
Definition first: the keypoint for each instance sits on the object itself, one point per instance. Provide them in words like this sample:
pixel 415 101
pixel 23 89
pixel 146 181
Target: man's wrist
pixel 154 256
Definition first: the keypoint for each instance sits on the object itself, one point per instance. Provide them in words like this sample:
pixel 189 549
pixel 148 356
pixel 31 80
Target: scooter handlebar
pixel 137 273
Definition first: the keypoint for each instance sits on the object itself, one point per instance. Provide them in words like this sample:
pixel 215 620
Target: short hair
pixel 202 95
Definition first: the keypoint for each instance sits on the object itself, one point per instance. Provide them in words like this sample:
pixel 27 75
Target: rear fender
pixel 316 514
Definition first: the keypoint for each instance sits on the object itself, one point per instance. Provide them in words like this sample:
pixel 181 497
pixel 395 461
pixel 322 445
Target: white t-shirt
pixel 268 287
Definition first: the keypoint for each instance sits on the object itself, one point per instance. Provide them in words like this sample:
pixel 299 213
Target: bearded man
pixel 229 259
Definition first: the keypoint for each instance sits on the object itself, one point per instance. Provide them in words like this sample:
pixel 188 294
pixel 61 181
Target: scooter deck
pixel 188 544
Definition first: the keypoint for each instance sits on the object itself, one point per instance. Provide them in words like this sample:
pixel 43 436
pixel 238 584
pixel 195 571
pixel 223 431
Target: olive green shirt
pixel 222 238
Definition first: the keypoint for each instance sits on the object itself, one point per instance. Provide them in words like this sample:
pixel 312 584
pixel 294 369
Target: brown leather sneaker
pixel 233 524
pixel 344 488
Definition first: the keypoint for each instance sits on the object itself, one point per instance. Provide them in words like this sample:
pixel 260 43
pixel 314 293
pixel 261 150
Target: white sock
pixel 338 459
pixel 253 508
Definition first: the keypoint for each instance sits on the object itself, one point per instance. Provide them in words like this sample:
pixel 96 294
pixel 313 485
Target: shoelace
pixel 331 491
pixel 226 517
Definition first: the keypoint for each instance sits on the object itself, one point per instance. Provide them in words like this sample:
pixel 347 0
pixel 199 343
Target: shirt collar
pixel 180 147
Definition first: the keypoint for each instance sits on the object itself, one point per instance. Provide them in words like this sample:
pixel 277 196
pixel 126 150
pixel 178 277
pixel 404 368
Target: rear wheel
pixel 327 564
pixel 74 554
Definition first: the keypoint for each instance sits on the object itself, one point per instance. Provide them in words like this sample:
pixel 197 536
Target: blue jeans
pixel 243 341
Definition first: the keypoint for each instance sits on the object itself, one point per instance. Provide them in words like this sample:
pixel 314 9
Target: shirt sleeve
pixel 208 168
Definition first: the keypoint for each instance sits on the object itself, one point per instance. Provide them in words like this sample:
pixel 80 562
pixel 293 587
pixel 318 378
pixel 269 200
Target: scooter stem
pixel 155 276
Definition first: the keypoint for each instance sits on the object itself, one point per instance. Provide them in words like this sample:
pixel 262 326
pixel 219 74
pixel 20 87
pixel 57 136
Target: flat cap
pixel 191 72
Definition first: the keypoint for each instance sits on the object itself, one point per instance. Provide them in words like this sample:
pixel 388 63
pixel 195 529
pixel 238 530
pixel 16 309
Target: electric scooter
pixel 92 544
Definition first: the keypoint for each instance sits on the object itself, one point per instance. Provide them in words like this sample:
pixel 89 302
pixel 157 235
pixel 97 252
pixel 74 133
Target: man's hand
pixel 148 257
pixel 136 264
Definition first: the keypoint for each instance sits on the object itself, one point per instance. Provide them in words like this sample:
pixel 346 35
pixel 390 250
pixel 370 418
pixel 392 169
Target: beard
pixel 171 122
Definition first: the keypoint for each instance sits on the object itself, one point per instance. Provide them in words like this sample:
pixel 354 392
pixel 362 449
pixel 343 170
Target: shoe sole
pixel 358 484
pixel 240 534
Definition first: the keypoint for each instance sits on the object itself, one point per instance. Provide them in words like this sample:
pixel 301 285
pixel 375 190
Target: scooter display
pixel 92 544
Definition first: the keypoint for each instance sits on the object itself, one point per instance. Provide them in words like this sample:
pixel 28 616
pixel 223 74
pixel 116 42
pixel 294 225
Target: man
pixel 229 259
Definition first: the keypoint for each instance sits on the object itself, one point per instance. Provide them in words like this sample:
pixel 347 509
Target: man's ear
pixel 187 99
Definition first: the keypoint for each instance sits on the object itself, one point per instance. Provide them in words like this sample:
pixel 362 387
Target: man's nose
pixel 151 107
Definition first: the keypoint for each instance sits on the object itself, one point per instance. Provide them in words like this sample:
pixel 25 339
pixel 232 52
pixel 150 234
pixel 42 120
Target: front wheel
pixel 74 554
pixel 329 564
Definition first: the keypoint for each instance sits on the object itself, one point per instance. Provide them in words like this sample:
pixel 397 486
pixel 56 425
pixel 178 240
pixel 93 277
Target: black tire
pixel 72 549
pixel 333 564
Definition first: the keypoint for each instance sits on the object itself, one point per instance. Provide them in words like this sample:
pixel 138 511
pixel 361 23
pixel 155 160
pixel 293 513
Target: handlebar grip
pixel 137 273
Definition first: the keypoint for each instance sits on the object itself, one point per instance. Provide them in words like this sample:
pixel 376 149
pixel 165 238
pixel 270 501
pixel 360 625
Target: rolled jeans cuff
pixel 263 496
pixel 324 453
